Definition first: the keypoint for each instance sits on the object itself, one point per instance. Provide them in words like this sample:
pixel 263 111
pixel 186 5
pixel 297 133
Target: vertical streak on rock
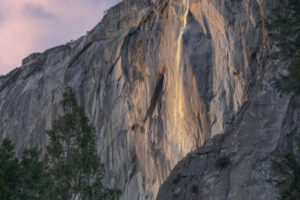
pixel 179 101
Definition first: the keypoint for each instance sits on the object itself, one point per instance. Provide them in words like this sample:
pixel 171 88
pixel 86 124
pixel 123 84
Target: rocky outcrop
pixel 239 164
pixel 158 78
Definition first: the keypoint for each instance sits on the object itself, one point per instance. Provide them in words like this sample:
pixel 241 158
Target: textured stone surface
pixel 158 78
pixel 261 132
pixel 260 125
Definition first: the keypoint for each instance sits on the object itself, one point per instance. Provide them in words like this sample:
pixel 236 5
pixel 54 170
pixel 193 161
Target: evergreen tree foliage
pixel 74 164
pixel 284 29
pixel 290 167
pixel 9 171
pixel 24 179
pixel 71 169
pixel 35 181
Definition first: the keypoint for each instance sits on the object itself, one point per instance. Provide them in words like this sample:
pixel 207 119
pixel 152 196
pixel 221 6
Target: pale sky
pixel 28 26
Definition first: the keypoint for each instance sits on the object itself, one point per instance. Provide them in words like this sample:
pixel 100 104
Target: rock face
pixel 158 78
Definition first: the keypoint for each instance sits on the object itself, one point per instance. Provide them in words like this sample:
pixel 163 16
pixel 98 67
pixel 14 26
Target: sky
pixel 28 26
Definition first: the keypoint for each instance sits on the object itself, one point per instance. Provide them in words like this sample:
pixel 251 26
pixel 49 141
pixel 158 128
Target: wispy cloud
pixel 28 26
pixel 37 11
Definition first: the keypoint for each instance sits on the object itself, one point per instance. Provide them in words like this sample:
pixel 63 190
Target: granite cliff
pixel 158 79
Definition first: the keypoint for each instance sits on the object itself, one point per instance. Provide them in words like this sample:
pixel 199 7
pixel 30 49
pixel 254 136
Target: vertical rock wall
pixel 157 79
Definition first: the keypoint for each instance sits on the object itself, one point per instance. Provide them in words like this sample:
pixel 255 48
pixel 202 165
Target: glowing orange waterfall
pixel 179 100
pixel 179 67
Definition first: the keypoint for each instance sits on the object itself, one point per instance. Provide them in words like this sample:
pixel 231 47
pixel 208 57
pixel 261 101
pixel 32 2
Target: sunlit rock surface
pixel 158 78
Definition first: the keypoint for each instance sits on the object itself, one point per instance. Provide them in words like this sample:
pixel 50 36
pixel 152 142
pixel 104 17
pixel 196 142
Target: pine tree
pixel 9 171
pixel 71 154
pixel 284 29
pixel 24 179
pixel 289 166
pixel 35 182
